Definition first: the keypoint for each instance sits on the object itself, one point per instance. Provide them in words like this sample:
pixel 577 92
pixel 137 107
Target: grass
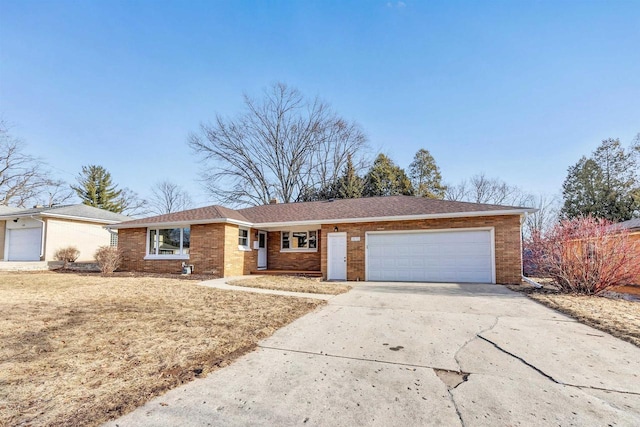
pixel 293 284
pixel 615 316
pixel 80 350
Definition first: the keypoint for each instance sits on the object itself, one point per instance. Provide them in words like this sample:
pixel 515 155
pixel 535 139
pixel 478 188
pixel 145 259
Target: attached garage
pixel 431 256
pixel 24 244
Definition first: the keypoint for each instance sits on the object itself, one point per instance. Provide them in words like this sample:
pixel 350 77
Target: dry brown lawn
pixel 79 350
pixel 618 317
pixel 293 284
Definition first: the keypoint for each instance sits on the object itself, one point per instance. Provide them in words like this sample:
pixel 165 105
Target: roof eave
pixel 61 216
pixel 395 218
pixel 181 223
pixel 20 214
pixel 79 218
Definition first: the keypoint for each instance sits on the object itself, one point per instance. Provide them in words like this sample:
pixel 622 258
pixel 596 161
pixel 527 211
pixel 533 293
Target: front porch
pixel 303 273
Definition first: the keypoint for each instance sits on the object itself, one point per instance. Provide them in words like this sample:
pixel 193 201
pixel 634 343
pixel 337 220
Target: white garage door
pixel 447 256
pixel 24 244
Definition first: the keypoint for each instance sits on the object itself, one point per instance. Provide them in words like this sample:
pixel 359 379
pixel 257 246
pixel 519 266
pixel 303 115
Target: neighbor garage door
pixel 24 244
pixel 443 256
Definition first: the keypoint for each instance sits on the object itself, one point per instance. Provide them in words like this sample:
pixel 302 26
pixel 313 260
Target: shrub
pixel 584 255
pixel 68 254
pixel 108 259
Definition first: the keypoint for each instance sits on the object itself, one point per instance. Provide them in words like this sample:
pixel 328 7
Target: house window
pixel 299 240
pixel 243 238
pixel 113 239
pixel 591 251
pixel 169 242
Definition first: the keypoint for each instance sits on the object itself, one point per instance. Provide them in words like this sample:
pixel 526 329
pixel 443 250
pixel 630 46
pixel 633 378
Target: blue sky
pixel 518 90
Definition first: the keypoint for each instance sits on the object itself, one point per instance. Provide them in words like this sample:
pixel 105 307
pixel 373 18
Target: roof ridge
pixel 337 199
pixel 66 206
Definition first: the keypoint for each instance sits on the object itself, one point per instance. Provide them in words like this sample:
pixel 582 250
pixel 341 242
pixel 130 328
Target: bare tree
pixel 23 177
pixel 282 145
pixel 132 204
pixel 340 141
pixel 635 145
pixel 546 217
pixel 168 197
pixel 57 193
pixel 482 189
pixel 456 192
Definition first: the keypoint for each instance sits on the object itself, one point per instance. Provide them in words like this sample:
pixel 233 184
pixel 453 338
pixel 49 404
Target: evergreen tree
pixel 350 185
pixel 314 194
pixel 605 185
pixel 96 189
pixel 385 178
pixel 425 176
pixel 581 190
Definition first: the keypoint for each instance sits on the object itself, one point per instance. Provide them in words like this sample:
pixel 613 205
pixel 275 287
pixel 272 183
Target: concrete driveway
pixel 418 354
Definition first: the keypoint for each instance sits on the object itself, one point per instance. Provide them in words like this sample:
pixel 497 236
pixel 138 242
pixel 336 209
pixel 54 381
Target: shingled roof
pixel 7 210
pixel 632 224
pixel 79 211
pixel 199 215
pixel 372 208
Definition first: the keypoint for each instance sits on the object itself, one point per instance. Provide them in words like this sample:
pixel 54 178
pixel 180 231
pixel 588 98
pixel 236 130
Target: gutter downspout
pixel 44 224
pixel 532 282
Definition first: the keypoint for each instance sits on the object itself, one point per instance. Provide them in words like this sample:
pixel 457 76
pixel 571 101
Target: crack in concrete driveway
pixel 524 364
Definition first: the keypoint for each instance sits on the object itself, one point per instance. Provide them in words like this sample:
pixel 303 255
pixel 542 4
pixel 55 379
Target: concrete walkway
pixel 222 284
pixel 417 354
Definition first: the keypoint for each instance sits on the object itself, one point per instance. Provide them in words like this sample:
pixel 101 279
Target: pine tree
pixel 425 176
pixel 350 185
pixel 96 189
pixel 605 185
pixel 581 190
pixel 385 178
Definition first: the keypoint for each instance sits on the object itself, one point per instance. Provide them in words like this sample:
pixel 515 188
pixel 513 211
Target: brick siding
pixel 206 251
pixel 277 260
pixel 635 237
pixel 237 261
pixel 214 250
pixel 508 253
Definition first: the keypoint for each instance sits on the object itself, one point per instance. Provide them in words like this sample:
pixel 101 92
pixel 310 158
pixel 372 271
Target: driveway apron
pixel 417 354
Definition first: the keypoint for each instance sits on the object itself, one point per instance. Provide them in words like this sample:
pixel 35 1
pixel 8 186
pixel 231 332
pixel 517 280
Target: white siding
pixel 87 237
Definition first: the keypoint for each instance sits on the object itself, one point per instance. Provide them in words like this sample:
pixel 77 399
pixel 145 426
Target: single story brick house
pixel 395 238
pixel 36 234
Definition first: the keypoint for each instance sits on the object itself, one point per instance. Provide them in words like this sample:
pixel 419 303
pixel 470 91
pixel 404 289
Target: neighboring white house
pixel 36 234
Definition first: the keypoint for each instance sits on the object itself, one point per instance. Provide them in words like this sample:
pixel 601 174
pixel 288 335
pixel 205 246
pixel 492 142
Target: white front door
pixel 262 250
pixel 337 256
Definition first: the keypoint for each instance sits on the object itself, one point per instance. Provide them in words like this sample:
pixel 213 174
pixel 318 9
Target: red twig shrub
pixel 68 254
pixel 108 259
pixel 585 255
